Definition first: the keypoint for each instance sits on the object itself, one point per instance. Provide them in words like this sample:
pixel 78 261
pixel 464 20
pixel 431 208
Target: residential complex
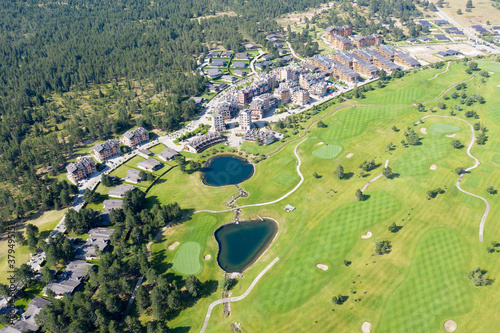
pixel 341 38
pixel 263 137
pixel 135 137
pixel 202 142
pixel 84 167
pixel 108 149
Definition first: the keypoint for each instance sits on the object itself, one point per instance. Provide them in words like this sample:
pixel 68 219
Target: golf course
pixel 430 228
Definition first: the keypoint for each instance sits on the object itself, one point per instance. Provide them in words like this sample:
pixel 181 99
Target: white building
pixel 218 122
pixel 245 120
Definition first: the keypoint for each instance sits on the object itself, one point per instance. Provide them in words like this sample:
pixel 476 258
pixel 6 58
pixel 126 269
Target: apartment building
pixel 364 41
pixel 245 120
pixel 108 149
pixel 218 122
pixel 84 167
pixel 300 97
pixel 344 73
pixel 135 137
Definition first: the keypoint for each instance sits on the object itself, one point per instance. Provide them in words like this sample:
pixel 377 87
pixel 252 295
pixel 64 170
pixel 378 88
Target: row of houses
pixel 349 66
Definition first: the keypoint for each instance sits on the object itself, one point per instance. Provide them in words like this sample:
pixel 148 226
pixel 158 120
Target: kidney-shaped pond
pixel 226 170
pixel 240 245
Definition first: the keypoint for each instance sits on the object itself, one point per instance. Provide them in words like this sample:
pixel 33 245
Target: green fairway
pixel 437 282
pixel 327 151
pixel 440 128
pixel 187 259
pixel 421 282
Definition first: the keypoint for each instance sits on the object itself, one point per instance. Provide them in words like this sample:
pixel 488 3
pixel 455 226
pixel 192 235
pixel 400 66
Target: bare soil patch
pixel 367 235
pixel 450 326
pixel 173 246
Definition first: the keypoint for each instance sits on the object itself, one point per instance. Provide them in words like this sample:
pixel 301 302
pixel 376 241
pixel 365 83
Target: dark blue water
pixel 226 170
pixel 241 244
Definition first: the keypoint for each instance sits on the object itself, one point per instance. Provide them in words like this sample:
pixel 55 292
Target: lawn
pixel 420 283
pixel 416 87
pixel 45 222
pixel 188 190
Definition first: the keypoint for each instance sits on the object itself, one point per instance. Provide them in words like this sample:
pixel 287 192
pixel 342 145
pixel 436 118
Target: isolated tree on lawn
pixel 339 172
pixel 387 172
pixel 359 195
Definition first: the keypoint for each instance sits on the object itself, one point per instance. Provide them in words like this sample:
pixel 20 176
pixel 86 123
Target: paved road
pixel 132 298
pixel 293 52
pixel 476 164
pixel 252 63
pixel 237 298
pixel 435 76
pixel 374 179
pixel 465 30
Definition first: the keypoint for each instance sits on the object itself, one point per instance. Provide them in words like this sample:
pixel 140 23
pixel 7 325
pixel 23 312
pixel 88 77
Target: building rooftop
pixel 239 64
pixel 168 154
pixel 113 204
pixel 120 190
pixel 150 163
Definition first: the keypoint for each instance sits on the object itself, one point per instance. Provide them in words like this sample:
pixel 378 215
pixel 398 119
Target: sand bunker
pixel 365 328
pixel 320 143
pixel 423 130
pixel 491 73
pixel 173 246
pixel 450 135
pixel 367 235
pixel 349 155
pixel 322 267
pixel 207 257
pixel 433 167
pixel 450 326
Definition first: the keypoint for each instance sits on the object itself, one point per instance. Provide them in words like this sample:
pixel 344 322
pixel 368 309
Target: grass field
pixel 187 259
pixel 416 88
pixel 327 151
pixel 421 282
pixel 46 222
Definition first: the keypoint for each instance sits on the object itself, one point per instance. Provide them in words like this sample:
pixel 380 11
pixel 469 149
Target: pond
pixel 225 170
pixel 240 245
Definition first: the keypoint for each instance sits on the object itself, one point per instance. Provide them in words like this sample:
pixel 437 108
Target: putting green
pixel 187 259
pixel 327 151
pixel 443 128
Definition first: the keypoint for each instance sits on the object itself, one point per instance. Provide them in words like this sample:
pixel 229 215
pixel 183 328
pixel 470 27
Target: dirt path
pixel 237 298
pixel 476 164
